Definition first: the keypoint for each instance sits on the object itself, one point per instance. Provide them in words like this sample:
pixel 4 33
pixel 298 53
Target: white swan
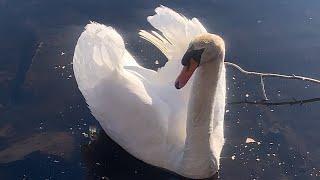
pixel 179 130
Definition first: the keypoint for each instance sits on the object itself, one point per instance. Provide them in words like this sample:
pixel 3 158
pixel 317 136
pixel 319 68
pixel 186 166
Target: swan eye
pixel 192 54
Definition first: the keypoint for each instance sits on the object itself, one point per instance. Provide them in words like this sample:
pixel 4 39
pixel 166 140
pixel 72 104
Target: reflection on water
pixel 58 144
pixel 45 134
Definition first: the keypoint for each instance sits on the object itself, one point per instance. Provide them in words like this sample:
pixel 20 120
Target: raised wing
pixel 100 50
pixel 119 94
pixel 177 32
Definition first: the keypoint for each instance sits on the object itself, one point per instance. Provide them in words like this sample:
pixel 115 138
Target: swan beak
pixel 186 74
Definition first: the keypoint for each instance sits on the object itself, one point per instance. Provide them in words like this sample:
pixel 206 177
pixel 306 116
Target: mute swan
pixel 140 109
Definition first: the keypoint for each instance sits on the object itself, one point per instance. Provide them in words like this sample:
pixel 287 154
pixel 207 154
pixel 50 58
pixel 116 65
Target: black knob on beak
pixel 176 84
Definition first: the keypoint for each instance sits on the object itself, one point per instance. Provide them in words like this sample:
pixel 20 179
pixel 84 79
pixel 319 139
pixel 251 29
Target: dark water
pixel 44 121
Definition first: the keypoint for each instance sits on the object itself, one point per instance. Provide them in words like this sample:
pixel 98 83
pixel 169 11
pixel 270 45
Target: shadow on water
pixel 105 159
pixel 19 42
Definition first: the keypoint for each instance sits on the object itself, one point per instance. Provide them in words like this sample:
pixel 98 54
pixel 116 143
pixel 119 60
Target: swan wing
pixel 176 32
pixel 120 95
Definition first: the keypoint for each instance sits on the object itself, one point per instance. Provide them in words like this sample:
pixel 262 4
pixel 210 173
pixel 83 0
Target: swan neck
pixel 202 94
pixel 197 151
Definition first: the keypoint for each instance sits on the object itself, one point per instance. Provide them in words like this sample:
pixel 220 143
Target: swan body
pixel 140 109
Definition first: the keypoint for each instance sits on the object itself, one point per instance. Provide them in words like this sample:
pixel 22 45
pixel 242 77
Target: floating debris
pixel 156 62
pixel 62 53
pixel 247 95
pixel 250 140
pixel 233 157
pixel 93 132
pixel 85 134
pixel 92 129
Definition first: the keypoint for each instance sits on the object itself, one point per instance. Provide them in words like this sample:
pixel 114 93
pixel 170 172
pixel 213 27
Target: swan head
pixel 203 49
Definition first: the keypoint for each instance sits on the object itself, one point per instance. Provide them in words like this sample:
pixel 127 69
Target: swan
pixel 168 122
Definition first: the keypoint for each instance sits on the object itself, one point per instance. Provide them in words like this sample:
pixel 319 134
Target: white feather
pixel 137 107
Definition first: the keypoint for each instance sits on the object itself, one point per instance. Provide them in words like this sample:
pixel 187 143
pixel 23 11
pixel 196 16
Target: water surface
pixel 44 120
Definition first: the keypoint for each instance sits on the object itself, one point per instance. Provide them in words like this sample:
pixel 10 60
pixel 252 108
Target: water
pixel 44 121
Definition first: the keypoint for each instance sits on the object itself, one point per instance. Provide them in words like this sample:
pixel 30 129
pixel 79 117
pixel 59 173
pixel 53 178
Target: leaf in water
pixel 250 140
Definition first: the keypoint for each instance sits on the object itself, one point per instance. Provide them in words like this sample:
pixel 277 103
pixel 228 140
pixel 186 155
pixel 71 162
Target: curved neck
pixel 197 151
pixel 202 95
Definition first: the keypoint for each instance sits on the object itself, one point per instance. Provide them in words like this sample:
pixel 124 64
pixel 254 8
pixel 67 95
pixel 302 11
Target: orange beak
pixel 186 74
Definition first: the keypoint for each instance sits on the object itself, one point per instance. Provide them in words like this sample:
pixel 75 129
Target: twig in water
pixel 265 100
pixel 267 103
pixel 263 89
pixel 272 74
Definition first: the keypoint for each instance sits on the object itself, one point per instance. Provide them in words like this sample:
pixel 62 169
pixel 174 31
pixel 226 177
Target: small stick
pixel 265 100
pixel 272 74
pixel 267 103
pixel 263 89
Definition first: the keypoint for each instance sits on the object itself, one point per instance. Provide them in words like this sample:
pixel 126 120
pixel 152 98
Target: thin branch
pixel 268 103
pixel 263 89
pixel 265 101
pixel 272 74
